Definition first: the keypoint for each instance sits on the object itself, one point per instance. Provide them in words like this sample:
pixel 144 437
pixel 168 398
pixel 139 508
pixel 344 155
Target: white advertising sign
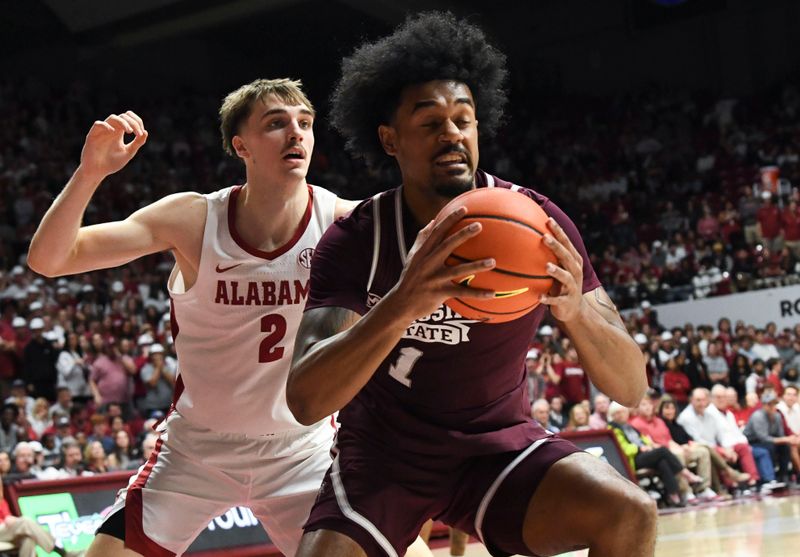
pixel 781 305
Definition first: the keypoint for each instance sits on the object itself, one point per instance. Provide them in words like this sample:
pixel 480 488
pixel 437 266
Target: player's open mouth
pixel 451 160
pixel 294 154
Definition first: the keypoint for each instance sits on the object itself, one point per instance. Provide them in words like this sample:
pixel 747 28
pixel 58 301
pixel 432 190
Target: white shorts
pixel 196 474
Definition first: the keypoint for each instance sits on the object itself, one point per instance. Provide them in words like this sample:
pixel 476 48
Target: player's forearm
pixel 609 355
pixel 334 370
pixel 54 241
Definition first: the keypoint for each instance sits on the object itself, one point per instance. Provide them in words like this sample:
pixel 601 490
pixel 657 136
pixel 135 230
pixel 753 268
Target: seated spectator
pixel 557 418
pixel 774 373
pixel 757 379
pixel 765 429
pixel 598 418
pixel 789 407
pixel 742 414
pixel 100 432
pixel 724 472
pixel 72 460
pixel 716 364
pixel 5 463
pixel 540 411
pixel 94 455
pixel 24 462
pixel 123 453
pixel 50 451
pixel 10 433
pixel 676 384
pixel 652 426
pixel 578 419
pixel 40 419
pixel 695 368
pixel 739 372
pixel 63 404
pixel 643 453
pixel 158 375
pixel 26 534
pixel 707 428
pixel 19 397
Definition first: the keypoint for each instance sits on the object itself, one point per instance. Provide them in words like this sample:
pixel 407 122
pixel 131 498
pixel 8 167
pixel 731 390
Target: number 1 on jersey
pixel 401 369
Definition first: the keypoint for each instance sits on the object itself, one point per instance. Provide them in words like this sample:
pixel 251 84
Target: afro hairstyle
pixel 427 47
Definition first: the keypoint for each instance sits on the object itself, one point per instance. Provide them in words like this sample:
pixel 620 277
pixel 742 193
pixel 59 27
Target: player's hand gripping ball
pixel 513 231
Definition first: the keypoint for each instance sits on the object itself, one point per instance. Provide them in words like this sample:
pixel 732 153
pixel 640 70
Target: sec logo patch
pixel 305 257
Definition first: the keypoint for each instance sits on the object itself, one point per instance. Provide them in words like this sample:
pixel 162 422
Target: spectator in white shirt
pixel 762 349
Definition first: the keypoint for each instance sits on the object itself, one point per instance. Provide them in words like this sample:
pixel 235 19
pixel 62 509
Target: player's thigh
pixel 328 543
pixel 104 545
pixel 580 500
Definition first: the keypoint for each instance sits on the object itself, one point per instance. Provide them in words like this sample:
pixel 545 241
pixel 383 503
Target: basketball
pixel 513 234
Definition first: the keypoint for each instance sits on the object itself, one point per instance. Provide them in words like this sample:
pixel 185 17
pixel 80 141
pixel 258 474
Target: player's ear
pixel 387 137
pixel 239 146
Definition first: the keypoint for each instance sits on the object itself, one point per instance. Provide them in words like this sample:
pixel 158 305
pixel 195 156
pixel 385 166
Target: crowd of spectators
pixel 677 196
pixel 723 401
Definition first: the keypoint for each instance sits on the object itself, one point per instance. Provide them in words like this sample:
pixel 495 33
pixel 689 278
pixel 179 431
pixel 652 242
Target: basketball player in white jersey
pixel 238 290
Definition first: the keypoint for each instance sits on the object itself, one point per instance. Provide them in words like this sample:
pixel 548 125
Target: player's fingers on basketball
pixel 562 237
pixel 441 228
pixel 450 243
pixel 116 122
pixel 459 272
pixel 459 291
pixel 564 255
pixel 560 274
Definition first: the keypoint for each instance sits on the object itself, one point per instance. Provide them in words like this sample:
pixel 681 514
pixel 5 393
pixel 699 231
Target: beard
pixel 454 186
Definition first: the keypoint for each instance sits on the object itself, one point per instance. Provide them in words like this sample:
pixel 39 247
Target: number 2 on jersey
pixel 275 325
pixel 401 369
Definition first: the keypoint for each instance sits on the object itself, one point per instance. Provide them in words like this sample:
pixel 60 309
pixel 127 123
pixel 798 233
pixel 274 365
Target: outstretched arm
pixel 61 246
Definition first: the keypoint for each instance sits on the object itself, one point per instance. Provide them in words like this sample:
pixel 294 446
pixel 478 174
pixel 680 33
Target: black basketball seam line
pixel 459 300
pixel 503 271
pixel 506 219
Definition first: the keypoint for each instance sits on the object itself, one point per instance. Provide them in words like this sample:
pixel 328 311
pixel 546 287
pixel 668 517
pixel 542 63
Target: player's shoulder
pixel 528 191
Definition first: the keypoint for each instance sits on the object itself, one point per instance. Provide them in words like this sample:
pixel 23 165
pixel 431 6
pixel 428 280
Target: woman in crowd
pixel 73 368
pixel 676 383
pixel 123 453
pixel 739 372
pixel 40 418
pixel 95 457
pixel 695 368
pixel 578 419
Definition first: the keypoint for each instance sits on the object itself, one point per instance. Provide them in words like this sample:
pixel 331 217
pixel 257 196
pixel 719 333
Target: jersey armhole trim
pixel 376 240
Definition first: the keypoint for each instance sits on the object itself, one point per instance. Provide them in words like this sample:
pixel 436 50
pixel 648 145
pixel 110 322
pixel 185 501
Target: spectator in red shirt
pixel 769 224
pixel 573 382
pixel 676 383
pixel 790 219
pixel 742 415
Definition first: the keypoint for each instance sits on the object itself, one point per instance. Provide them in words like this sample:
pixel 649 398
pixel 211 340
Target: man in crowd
pixel 765 429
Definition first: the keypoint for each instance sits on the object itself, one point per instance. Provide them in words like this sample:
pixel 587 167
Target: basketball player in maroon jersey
pixel 377 341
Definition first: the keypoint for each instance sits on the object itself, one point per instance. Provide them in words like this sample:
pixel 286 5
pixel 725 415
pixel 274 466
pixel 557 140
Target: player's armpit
pixel 319 324
pixel 602 304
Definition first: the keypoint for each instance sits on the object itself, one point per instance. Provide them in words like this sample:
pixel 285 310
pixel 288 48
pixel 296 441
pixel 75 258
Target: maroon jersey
pixel 451 386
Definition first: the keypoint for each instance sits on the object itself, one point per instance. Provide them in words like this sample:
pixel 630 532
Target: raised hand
pixel 105 151
pixel 426 281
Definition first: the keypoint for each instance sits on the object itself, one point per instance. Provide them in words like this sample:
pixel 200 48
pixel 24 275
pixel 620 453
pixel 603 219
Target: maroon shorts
pixel 382 503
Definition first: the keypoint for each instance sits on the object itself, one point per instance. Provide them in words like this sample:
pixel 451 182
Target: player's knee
pixel 637 510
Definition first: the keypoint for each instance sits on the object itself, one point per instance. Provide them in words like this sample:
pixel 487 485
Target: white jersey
pixel 234 329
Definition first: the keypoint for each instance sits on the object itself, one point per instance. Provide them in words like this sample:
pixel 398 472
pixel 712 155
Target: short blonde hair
pixel 238 104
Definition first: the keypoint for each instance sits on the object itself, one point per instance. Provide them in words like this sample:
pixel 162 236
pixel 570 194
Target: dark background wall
pixel 587 47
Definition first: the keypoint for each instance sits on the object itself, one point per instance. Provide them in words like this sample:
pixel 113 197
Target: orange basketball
pixel 513 234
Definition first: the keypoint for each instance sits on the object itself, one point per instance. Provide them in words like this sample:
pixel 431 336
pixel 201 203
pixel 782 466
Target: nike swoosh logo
pixel 224 269
pixel 466 281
